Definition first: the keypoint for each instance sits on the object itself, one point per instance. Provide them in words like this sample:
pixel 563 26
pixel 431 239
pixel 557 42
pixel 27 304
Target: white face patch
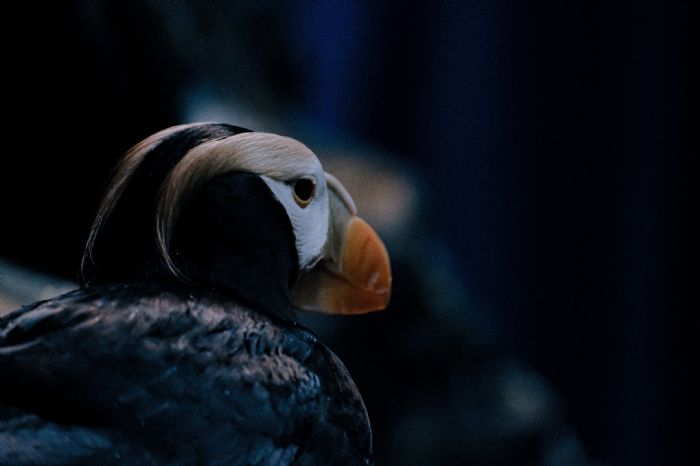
pixel 309 224
pixel 278 160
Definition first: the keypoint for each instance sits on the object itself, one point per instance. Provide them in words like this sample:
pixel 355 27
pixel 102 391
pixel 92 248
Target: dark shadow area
pixel 549 145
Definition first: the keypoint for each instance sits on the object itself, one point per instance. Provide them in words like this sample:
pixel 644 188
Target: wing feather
pixel 184 379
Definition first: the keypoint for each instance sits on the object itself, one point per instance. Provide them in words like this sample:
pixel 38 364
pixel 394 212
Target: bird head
pixel 250 213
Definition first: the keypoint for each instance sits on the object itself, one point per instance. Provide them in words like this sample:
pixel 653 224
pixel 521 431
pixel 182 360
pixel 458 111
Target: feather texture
pixel 151 374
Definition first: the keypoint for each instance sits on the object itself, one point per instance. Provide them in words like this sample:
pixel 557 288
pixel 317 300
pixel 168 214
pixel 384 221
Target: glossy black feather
pixel 153 373
pixel 235 237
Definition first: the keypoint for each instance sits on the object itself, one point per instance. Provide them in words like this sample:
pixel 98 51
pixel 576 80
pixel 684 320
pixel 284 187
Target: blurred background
pixel 527 163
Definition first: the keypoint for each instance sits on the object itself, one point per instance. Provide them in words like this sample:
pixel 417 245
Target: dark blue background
pixel 554 139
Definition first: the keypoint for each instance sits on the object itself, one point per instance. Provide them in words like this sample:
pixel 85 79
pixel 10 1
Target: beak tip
pixel 370 258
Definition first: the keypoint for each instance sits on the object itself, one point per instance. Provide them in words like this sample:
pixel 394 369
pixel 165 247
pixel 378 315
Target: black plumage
pixel 153 374
pixel 142 367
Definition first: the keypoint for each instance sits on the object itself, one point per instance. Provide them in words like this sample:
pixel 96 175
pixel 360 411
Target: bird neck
pixel 234 237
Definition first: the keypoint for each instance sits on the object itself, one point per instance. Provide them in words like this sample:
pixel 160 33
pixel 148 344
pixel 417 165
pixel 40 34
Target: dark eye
pixel 304 190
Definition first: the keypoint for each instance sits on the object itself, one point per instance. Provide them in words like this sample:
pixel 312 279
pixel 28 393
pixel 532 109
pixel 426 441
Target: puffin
pixel 182 345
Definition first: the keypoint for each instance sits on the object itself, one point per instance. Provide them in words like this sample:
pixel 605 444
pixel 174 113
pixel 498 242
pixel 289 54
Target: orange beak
pixel 354 277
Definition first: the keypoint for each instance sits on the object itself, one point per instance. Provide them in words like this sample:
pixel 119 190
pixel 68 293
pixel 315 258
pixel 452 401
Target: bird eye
pixel 304 190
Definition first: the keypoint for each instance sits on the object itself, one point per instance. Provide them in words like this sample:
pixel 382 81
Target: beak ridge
pixel 365 259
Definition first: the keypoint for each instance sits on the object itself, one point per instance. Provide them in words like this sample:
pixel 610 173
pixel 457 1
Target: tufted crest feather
pixel 277 157
pixel 122 173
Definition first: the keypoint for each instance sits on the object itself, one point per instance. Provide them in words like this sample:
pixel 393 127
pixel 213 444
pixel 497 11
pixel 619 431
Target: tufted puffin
pixel 181 346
